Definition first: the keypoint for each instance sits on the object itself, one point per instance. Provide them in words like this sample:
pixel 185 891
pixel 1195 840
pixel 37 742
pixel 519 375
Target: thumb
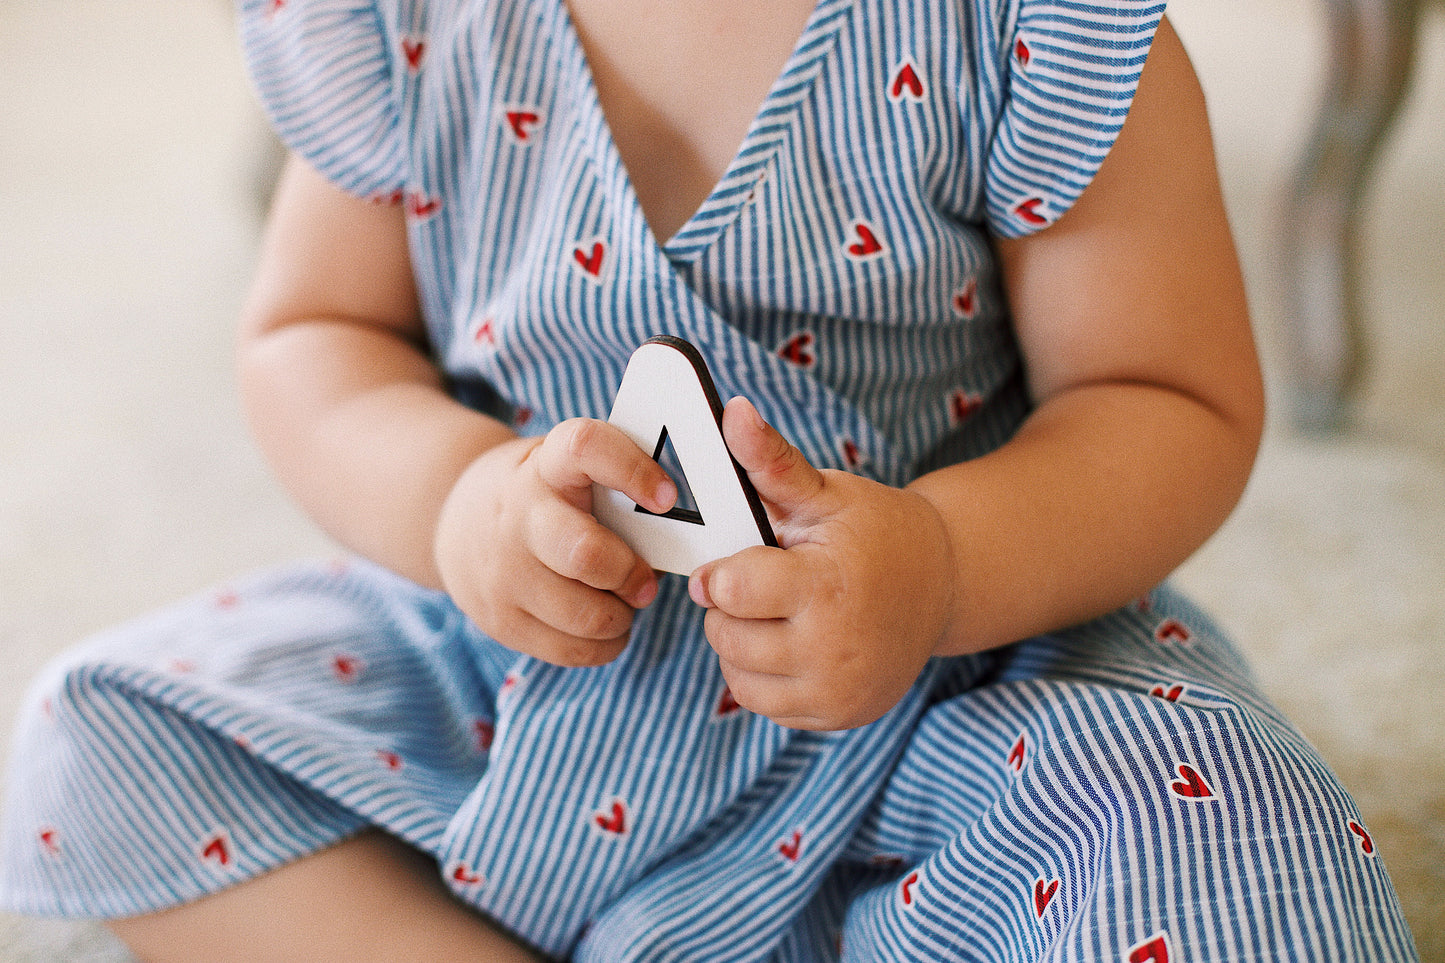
pixel 779 471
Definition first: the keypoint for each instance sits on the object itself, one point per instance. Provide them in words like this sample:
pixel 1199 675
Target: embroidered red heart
pixel 347 668
pixel 963 405
pixel 1022 52
pixel 274 8
pixel 420 206
pixel 965 300
pixel 1172 630
pixel 1155 949
pixel 414 48
pixel 1044 894
pixel 522 414
pixel 387 199
pixel 867 244
pixel 1015 758
pixel 389 759
pixel 906 890
pixel 726 704
pixel 613 821
pixel 217 850
pixel 181 666
pixel 522 123
pixel 50 840
pixel 485 732
pixel 852 457
pixel 1028 211
pixel 227 599
pixel 906 83
pixel 790 848
pixel 1367 845
pixel 1192 785
pixel 509 684
pixel 461 873
pixel 591 263
pixel 1172 693
pixel 795 350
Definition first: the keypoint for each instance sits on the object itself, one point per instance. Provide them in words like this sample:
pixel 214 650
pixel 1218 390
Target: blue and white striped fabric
pixel 1116 792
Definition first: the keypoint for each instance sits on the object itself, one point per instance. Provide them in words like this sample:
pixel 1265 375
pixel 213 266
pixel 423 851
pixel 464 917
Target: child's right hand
pixel 520 553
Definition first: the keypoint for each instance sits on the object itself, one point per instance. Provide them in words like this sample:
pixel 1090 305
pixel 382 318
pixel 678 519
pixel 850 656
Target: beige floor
pixel 126 232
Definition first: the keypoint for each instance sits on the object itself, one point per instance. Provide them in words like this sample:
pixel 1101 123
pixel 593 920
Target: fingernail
pixel 643 597
pixel 666 495
pixel 697 589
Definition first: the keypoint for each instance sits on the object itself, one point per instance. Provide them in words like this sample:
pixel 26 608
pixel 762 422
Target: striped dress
pixel 1120 791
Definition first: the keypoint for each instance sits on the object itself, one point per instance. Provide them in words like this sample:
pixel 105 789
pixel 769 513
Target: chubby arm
pixel 338 388
pixel 1132 318
pixel 352 414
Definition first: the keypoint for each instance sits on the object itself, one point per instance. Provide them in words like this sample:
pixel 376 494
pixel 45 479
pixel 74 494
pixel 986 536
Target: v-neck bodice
pixel 840 271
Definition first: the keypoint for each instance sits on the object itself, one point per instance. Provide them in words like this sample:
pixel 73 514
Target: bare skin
pixel 1141 364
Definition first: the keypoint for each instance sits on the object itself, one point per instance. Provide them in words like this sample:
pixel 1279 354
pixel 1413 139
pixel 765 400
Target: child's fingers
pixel 756 583
pixel 780 472
pixel 575 610
pixel 582 451
pixel 574 545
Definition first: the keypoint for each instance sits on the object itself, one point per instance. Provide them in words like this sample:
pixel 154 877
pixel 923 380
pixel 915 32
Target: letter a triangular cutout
pixel 667 396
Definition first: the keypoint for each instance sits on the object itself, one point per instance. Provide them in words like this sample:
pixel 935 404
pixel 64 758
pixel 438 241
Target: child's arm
pixel 352 414
pixel 1132 317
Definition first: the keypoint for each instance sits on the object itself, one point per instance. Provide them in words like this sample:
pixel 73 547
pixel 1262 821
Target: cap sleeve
pixel 325 71
pixel 1068 72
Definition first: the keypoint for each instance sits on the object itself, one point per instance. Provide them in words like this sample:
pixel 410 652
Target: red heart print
pixel 1153 950
pixel 1192 784
pixel 414 48
pixel 1044 894
pixel 1016 755
pixel 462 873
pixel 181 666
pixel 217 850
pixel 522 415
pixel 590 263
pixel 612 821
pixel 963 405
pixel 420 206
pixel 486 332
pixel 1022 52
pixel 906 83
pixel 790 848
pixel 274 8
pixel 484 732
pixel 867 245
pixel 1171 694
pixel 50 840
pixel 510 682
pixel 965 299
pixel 227 599
pixel 389 759
pixel 795 350
pixel 1172 630
pixel 906 889
pixel 726 704
pixel 1028 211
pixel 1367 845
pixel 347 668
pixel 852 457
pixel 522 122
pixel 387 198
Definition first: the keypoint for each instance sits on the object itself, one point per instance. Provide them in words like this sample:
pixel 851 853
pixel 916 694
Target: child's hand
pixel 519 551
pixel 830 630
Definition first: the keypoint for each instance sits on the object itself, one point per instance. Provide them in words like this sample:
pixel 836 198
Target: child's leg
pixel 369 898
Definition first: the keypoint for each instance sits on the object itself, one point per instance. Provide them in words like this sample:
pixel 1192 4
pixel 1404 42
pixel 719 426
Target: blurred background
pixel 130 154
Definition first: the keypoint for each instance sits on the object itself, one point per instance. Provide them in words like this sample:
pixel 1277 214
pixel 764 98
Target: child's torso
pixel 680 83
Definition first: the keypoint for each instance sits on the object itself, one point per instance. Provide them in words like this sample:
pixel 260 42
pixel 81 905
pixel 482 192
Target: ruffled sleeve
pixel 1067 75
pixel 325 72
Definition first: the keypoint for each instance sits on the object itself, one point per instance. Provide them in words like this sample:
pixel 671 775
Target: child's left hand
pixel 830 630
